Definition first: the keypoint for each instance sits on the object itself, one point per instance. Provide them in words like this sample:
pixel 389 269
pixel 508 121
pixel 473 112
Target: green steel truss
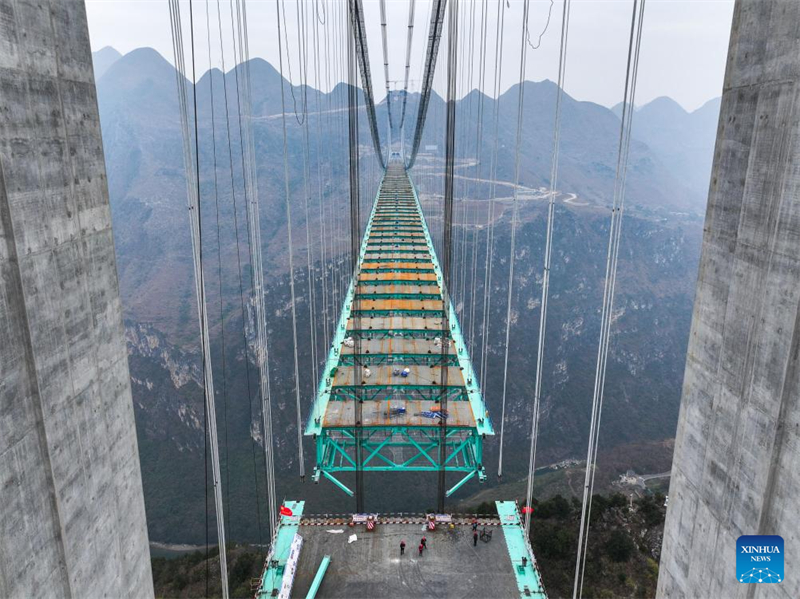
pixel 336 452
pixel 397 245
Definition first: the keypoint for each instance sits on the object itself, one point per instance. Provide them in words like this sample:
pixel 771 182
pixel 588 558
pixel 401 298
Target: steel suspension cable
pixel 312 303
pixel 548 250
pixel 239 38
pixel 478 155
pixel 192 167
pixel 362 53
pixel 498 68
pixel 634 45
pixel 324 233
pixel 434 36
pixel 411 5
pixel 239 268
pixel 447 226
pixel 355 220
pixel 290 249
pixel 247 147
pixel 514 218
pixel 386 71
pixel 219 261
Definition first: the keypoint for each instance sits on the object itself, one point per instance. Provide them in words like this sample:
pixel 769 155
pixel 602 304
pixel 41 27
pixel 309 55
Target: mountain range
pixel 140 119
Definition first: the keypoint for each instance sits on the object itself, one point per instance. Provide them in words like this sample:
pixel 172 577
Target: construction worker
pixel 475 538
pixel 402 547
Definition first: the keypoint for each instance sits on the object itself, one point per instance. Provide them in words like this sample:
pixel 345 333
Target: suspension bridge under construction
pixel 397 395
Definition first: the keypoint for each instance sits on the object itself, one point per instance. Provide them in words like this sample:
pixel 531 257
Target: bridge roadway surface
pixel 396 354
pixel 372 567
pixel 396 309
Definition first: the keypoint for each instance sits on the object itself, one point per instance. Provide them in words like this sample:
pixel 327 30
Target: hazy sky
pixel 684 43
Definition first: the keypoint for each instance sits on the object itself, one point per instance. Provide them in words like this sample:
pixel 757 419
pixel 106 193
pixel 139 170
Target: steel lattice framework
pixel 392 332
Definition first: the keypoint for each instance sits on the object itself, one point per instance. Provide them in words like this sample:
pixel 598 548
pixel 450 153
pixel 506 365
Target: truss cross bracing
pixel 388 352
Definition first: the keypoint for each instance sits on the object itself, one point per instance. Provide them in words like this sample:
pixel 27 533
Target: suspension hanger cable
pixel 411 5
pixel 355 225
pixel 324 232
pixel 514 218
pixel 192 165
pixel 466 89
pixel 498 68
pixel 239 33
pixel 447 226
pixel 219 261
pixel 631 75
pixel 478 155
pixel 243 311
pixel 434 36
pixel 386 69
pixel 287 198
pixel 548 248
pixel 310 278
pixel 362 53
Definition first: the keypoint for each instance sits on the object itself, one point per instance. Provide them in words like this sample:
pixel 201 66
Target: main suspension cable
pixel 359 31
pixel 411 5
pixel 437 20
pixel 386 69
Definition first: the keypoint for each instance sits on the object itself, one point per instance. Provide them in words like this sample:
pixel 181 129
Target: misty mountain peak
pixel 103 59
pixel 664 107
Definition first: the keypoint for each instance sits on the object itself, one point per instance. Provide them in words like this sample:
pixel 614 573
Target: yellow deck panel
pixel 408 289
pixel 406 265
pixel 398 304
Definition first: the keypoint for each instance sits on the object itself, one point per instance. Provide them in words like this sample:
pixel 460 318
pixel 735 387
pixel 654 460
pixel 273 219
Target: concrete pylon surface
pixel 72 518
pixel 736 468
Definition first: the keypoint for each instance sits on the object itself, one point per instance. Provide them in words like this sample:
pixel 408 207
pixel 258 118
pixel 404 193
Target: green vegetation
pixel 623 550
pixel 619 546
pixel 195 575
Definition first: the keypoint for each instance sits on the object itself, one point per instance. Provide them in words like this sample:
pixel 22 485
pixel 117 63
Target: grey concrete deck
pixel 373 568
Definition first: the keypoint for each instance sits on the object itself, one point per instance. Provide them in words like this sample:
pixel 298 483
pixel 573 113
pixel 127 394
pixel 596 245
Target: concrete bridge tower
pixel 737 454
pixel 72 520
